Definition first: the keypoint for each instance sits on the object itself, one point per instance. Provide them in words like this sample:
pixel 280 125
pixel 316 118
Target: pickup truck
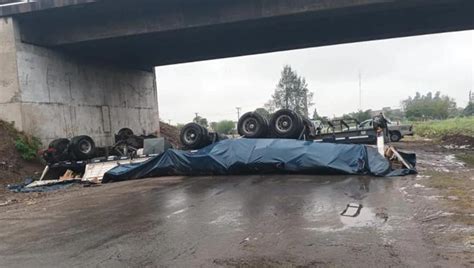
pixel 396 131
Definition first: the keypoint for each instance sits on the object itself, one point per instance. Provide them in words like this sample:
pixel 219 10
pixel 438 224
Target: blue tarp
pixel 259 156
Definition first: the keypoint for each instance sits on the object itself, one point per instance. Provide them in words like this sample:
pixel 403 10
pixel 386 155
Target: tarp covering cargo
pixel 258 156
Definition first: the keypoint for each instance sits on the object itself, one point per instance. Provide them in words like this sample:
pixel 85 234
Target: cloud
pixel 391 70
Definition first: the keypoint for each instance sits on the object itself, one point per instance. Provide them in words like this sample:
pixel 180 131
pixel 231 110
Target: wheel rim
pixel 190 136
pixel 394 137
pixel 85 147
pixel 283 123
pixel 250 126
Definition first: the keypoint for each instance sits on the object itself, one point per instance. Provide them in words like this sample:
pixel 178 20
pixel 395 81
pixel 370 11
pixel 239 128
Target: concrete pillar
pixel 10 101
pixel 50 94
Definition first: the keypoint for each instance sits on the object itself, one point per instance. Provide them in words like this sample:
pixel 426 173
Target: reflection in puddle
pixel 366 218
pixel 177 212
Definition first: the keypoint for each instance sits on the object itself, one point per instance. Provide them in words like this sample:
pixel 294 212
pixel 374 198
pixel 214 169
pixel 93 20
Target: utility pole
pixel 197 114
pixel 360 92
pixel 238 113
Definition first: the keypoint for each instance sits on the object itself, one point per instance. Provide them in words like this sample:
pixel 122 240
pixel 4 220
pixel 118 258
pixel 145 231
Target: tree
pixel 263 112
pixel 469 110
pixel 201 121
pixel 429 107
pixel 359 115
pixel 291 92
pixel 225 127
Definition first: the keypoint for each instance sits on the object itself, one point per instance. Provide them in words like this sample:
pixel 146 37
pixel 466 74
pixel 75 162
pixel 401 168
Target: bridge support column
pixel 51 94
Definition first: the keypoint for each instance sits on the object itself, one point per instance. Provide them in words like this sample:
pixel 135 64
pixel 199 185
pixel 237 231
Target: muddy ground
pixel 424 220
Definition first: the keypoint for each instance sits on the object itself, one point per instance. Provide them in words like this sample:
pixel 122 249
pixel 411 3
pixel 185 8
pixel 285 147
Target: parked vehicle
pixel 396 131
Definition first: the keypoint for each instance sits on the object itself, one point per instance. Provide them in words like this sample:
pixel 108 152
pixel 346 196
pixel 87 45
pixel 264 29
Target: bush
pixel 441 128
pixel 28 147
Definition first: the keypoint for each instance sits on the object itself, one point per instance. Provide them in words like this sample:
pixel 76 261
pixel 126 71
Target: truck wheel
pixel 57 151
pixel 252 125
pixel 194 136
pixel 395 136
pixel 82 147
pixel 124 133
pixel 286 124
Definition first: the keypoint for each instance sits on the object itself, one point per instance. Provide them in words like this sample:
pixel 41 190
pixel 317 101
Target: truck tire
pixel 82 147
pixel 252 125
pixel 57 151
pixel 286 124
pixel 193 136
pixel 124 133
pixel 395 136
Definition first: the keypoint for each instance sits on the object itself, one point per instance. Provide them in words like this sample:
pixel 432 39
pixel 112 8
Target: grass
pixel 467 158
pixel 457 193
pixel 439 128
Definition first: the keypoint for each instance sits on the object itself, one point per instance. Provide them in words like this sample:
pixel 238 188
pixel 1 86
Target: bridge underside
pixel 76 67
pixel 148 33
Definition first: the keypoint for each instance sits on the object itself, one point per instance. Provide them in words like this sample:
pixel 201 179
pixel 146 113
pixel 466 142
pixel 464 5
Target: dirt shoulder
pixel 442 195
pixel 13 169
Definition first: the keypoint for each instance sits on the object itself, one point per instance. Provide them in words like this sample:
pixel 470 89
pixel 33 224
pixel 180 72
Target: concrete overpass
pixel 81 58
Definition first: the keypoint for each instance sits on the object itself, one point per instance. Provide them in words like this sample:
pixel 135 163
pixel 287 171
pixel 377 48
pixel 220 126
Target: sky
pixel 391 70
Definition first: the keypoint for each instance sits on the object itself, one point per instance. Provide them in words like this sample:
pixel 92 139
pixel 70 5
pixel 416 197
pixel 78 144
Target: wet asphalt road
pixel 273 220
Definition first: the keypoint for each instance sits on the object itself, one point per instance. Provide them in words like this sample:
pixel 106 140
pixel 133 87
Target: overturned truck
pixel 287 124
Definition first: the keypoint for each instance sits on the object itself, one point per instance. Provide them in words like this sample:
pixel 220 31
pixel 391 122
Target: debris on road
pixel 351 210
pixel 170 133
pixel 94 172
pixel 29 186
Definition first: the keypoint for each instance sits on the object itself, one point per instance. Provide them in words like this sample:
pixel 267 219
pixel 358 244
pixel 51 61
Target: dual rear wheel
pixel 78 148
pixel 284 123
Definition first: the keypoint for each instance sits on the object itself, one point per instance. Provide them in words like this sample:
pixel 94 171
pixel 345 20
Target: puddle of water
pixel 366 218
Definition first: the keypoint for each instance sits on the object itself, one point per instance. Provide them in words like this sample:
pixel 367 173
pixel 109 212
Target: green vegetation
pixel 201 121
pixel 441 128
pixel 291 93
pixel 455 188
pixel 360 115
pixel 467 158
pixel 224 127
pixel 469 110
pixel 422 107
pixel 28 146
